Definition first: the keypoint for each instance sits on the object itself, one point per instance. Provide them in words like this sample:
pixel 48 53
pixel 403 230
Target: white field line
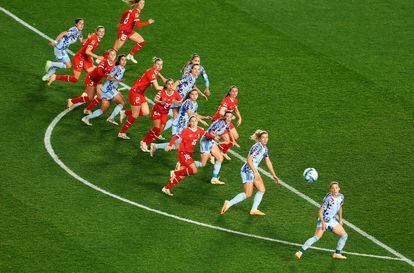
pixel 307 198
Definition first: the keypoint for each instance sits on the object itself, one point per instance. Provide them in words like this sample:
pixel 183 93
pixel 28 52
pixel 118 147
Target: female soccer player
pixel 195 59
pixel 189 108
pixel 229 103
pixel 250 175
pixel 163 101
pixel 110 93
pixel 139 104
pixel 331 206
pixel 129 20
pixel 83 59
pixel 60 45
pixel 189 137
pixel 93 82
pixel 209 146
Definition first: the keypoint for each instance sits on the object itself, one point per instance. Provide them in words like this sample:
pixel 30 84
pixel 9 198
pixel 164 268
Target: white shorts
pixel 329 225
pixel 61 55
pixel 206 144
pixel 109 95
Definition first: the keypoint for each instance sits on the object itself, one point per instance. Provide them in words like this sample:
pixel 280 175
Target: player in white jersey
pixel 109 92
pixel 60 46
pixel 209 146
pixel 331 206
pixel 250 174
pixel 189 108
pixel 195 59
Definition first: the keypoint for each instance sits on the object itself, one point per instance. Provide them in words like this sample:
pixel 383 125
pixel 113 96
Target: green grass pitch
pixel 331 81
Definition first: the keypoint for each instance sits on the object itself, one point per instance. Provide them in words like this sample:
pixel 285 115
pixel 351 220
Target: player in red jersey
pixel 229 104
pixel 93 82
pixel 83 59
pixel 129 20
pixel 189 137
pixel 163 100
pixel 139 104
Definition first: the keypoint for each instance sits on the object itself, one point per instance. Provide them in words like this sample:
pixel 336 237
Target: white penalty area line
pixel 50 150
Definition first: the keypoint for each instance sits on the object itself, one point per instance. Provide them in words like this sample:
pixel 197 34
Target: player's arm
pixel 272 171
pixel 157 86
pixel 340 216
pixel 238 115
pixel 210 135
pixel 199 92
pixel 139 24
pixel 252 167
pixel 163 79
pixel 206 82
pixel 172 141
pixel 321 217
pixel 89 52
pixel 60 36
pixel 200 119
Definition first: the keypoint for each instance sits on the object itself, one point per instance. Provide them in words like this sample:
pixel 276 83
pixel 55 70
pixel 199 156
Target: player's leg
pixel 317 235
pixel 120 104
pixel 258 183
pixel 154 132
pixel 339 230
pixel 178 175
pixel 215 151
pixel 105 105
pixel 95 95
pixel 248 190
pixel 139 43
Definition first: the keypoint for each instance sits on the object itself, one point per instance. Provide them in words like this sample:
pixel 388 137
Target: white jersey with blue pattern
pixel 182 119
pixel 331 205
pixel 218 127
pixel 258 151
pixel 187 83
pixel 203 73
pixel 72 35
pixel 110 86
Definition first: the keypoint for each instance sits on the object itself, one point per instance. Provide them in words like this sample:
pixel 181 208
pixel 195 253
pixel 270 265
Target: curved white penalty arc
pixel 49 148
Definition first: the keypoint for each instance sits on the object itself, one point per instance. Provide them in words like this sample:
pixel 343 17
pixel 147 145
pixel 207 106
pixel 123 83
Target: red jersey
pixel 167 99
pixel 230 104
pixel 103 69
pixel 146 80
pixel 92 42
pixel 128 20
pixel 189 138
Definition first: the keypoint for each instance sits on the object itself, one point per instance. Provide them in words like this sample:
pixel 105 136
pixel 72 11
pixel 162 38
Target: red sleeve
pixel 178 96
pixel 158 96
pixel 209 135
pixel 141 24
pixel 173 140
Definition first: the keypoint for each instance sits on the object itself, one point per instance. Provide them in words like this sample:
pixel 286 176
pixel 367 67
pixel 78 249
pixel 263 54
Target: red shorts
pixel 157 115
pixel 124 35
pixel 92 82
pixel 135 98
pixel 185 159
pixel 80 63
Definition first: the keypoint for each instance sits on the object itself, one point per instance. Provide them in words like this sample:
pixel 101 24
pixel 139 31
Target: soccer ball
pixel 310 175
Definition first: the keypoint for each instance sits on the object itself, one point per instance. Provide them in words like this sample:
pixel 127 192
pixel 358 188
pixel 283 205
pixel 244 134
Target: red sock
pixel 184 172
pixel 128 112
pixel 80 99
pixel 66 78
pixel 93 103
pixel 152 135
pixel 225 146
pixel 137 47
pixel 127 124
pixel 174 182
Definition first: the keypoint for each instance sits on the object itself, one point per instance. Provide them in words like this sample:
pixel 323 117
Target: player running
pixel 331 206
pixel 250 175
pixel 83 59
pixel 189 108
pixel 110 93
pixel 60 46
pixel 209 147
pixel 93 82
pixel 229 104
pixel 139 104
pixel 189 137
pixel 195 59
pixel 129 20
pixel 163 101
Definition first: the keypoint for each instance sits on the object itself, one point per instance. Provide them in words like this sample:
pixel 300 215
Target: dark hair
pixel 191 117
pixel 189 93
pixel 77 20
pixel 189 62
pixel 167 81
pixel 156 59
pixel 231 88
pixel 118 60
pixel 99 27
pixel 225 113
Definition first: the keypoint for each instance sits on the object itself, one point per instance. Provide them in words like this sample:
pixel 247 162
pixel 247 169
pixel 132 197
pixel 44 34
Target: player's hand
pixel 236 144
pixel 168 148
pixel 256 174
pixel 239 121
pixel 151 21
pixel 276 179
pixel 341 222
pixel 52 44
pixel 207 117
pixel 207 91
pixel 203 122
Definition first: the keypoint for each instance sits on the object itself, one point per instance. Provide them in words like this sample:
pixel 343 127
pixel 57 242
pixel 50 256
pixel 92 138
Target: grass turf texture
pixel 306 73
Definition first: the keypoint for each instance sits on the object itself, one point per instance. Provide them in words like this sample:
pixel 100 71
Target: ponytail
pixel 189 62
pixel 258 134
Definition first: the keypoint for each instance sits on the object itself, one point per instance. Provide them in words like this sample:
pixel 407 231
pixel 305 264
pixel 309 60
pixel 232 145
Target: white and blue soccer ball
pixel 310 175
